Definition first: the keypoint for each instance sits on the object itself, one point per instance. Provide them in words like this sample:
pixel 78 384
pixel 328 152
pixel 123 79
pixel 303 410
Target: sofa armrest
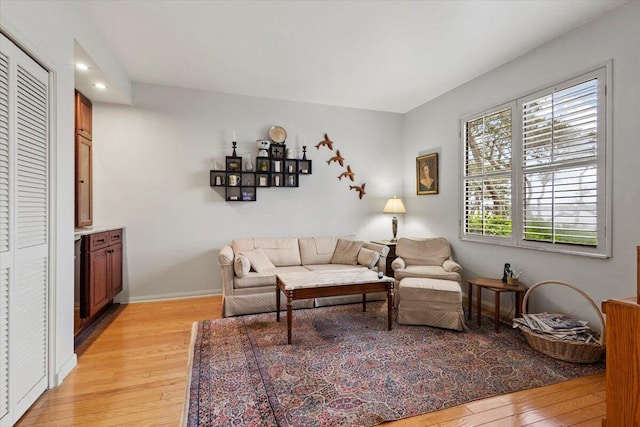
pixel 382 250
pixel 225 261
pixel 451 266
pixel 398 264
pixel 225 256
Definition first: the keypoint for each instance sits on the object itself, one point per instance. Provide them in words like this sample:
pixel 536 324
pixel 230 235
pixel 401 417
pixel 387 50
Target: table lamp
pixel 394 206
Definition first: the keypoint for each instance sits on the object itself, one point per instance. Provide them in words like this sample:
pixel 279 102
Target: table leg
pixel 496 307
pixel 478 301
pixel 277 303
pixel 364 302
pixel 390 305
pixel 470 298
pixel 289 315
pixel 519 296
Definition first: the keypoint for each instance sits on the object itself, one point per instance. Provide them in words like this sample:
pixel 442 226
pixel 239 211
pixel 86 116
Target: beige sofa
pixel 249 266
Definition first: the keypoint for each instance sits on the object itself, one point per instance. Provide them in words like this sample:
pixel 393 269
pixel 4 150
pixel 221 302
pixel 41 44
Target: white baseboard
pixel 66 368
pixel 168 297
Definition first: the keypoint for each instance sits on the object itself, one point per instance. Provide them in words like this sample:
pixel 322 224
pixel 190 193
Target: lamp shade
pixel 394 205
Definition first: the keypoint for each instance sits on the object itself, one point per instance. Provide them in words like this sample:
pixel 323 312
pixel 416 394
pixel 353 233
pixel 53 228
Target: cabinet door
pixel 84 123
pixel 84 185
pixel 115 269
pixel 99 290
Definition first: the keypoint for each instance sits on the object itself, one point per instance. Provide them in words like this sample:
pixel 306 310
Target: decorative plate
pixel 277 134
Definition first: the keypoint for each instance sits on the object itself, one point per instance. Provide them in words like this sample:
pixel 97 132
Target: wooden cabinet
pixel 390 257
pixel 623 362
pixel 101 271
pixel 274 170
pixel 83 162
pixel 84 124
pixel 84 182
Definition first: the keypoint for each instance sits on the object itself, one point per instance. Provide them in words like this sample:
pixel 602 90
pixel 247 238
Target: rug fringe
pixel 185 408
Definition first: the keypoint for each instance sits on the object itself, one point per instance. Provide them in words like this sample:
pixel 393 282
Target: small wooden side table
pixel 498 287
pixel 391 256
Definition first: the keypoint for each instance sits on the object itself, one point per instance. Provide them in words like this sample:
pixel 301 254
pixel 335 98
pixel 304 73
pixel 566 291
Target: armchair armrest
pixel 398 264
pixel 451 266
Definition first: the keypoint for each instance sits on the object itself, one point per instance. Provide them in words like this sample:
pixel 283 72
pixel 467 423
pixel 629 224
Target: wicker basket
pixel 570 351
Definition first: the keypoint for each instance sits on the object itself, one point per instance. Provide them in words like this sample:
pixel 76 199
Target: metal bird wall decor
pixel 326 142
pixel 337 158
pixel 359 189
pixel 348 173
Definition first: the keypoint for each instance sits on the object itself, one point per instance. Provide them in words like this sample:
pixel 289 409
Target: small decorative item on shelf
pixel 278 134
pixel 276 151
pixel 233 144
pixel 234 180
pixel 263 147
pixel 263 165
pixel 248 164
pixel 304 152
pixel 233 165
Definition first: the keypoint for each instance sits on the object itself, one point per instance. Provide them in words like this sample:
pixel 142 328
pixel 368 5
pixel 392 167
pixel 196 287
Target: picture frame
pixel 427 181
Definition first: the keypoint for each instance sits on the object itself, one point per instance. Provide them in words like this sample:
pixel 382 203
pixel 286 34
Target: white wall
pixel 47 31
pixel 151 175
pixel 435 126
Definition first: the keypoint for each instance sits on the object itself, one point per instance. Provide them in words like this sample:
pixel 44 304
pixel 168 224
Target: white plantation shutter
pixel 487 174
pixel 553 196
pixel 24 245
pixel 560 164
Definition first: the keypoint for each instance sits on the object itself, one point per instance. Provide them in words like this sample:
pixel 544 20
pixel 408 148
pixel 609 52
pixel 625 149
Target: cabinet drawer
pixel 115 236
pixel 98 241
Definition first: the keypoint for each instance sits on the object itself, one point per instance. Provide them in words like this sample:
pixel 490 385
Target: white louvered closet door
pixel 23 231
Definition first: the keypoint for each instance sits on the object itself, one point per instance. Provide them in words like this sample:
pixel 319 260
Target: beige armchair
pixel 430 258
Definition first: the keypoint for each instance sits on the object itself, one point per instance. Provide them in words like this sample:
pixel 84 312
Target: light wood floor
pixel 134 373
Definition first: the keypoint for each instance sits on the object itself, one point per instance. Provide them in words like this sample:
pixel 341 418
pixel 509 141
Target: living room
pixel 153 153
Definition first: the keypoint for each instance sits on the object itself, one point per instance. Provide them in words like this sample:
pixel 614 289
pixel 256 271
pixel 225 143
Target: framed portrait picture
pixel 427 174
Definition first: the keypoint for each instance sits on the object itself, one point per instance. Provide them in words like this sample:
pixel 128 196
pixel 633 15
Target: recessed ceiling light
pixel 82 66
pixel 100 86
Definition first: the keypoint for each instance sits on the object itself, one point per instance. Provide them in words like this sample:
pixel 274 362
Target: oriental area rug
pixel 344 368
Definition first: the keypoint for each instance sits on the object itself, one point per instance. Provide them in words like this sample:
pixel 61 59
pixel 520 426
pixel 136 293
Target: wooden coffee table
pixel 498 287
pixel 317 284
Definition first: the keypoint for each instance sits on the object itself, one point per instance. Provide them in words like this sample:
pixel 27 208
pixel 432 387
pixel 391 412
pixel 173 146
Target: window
pixel 534 170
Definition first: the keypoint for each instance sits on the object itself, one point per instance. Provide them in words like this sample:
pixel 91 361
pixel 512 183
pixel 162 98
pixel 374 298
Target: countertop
pixel 79 232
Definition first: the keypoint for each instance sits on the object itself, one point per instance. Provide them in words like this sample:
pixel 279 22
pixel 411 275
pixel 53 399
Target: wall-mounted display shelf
pixel 274 170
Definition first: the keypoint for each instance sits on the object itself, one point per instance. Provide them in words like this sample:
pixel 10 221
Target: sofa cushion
pixel 255 280
pixel 241 265
pixel 324 267
pixel 423 251
pixel 346 252
pixel 281 251
pixel 426 271
pixel 317 250
pixel 368 258
pixel 259 260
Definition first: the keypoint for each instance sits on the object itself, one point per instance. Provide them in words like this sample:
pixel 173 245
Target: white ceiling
pixel 379 55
